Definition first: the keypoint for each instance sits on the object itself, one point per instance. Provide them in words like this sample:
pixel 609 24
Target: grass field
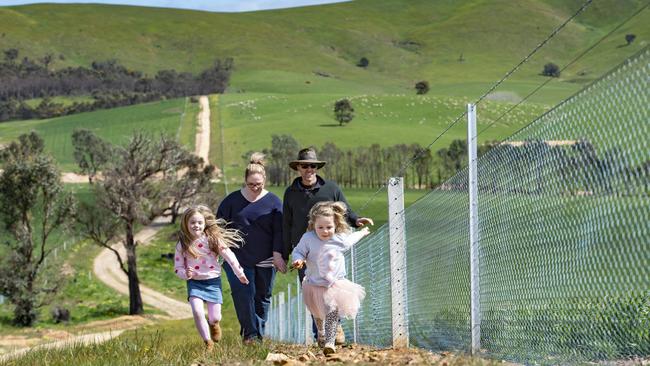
pixel 60 100
pixel 249 120
pixel 114 125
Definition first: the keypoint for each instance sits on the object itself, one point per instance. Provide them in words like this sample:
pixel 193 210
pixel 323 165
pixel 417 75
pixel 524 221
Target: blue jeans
pixel 251 301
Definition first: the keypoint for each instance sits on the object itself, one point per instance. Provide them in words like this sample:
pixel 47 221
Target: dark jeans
pixel 251 301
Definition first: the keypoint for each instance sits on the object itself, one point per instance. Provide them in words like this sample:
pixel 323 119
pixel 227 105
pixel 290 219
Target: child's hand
pixel 298 264
pixel 365 231
pixel 189 272
pixel 243 280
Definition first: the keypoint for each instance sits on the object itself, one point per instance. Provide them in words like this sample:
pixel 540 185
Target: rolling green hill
pixel 279 50
pixel 291 65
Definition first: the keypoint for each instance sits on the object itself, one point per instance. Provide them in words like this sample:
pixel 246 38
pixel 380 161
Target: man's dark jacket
pixel 296 205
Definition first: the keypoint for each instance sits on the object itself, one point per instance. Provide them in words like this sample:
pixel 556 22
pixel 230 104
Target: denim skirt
pixel 207 290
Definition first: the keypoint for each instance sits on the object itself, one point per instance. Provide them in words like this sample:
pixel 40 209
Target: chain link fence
pixel 564 237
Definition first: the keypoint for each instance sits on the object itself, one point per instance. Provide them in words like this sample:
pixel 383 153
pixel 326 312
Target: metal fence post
pixel 397 237
pixel 473 230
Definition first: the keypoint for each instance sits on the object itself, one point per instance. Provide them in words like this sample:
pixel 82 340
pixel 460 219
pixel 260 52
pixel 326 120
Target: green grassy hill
pixel 291 65
pixel 279 50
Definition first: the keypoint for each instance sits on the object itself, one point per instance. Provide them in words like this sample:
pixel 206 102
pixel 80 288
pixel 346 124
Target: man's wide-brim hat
pixel 306 156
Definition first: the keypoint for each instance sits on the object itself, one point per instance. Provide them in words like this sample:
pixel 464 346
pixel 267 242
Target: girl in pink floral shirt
pixel 202 239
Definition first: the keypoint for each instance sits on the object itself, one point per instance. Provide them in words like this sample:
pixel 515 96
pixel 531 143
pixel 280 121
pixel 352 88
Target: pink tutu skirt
pixel 344 296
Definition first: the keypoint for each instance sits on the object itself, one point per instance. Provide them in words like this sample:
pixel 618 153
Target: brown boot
pixel 328 349
pixel 215 331
pixel 209 345
pixel 340 335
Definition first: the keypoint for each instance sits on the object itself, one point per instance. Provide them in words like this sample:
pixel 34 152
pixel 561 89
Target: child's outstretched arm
pixel 180 268
pixel 354 238
pixel 230 257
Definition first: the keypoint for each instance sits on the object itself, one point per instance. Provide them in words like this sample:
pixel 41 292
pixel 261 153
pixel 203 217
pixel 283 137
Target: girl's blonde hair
pixel 255 165
pixel 219 235
pixel 336 210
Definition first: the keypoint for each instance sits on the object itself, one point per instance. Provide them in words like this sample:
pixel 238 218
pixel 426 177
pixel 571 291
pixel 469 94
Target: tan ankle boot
pixel 209 345
pixel 215 331
pixel 328 349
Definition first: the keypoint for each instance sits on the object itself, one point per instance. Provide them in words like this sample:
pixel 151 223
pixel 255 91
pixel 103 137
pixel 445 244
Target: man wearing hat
pixel 305 191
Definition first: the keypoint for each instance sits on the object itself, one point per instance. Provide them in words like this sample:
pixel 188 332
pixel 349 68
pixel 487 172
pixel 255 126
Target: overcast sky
pixel 206 5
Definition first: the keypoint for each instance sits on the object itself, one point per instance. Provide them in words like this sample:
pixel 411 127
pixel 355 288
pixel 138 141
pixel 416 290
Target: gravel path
pixel 107 269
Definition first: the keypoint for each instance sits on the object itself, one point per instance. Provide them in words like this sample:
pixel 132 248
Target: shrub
pixel 552 70
pixel 422 87
pixel 363 62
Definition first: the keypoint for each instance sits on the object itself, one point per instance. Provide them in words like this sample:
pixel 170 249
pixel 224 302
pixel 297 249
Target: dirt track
pixel 107 269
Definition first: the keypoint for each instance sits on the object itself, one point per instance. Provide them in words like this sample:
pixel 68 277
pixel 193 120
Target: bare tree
pixel 133 191
pixel 33 205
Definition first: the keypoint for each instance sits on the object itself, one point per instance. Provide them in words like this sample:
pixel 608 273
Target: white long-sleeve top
pixel 206 265
pixel 324 258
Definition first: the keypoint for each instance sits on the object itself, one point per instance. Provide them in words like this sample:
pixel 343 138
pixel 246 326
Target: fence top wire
pixel 479 99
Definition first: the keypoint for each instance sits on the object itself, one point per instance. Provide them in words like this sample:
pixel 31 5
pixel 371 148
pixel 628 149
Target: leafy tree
pixel 90 152
pixel 283 149
pixel 132 192
pixel 551 69
pixel 453 159
pixel 422 87
pixel 32 206
pixel 343 111
pixel 363 62
pixel 629 38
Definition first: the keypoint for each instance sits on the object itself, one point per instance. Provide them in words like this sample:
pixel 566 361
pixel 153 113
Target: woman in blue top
pixel 257 213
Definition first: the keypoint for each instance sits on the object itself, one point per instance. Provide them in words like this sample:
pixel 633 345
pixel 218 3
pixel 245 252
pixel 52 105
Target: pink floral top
pixel 207 264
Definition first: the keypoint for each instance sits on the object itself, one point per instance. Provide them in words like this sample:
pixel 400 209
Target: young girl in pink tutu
pixel 326 292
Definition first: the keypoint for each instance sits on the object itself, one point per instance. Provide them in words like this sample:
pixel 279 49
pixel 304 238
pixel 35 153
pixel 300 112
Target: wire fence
pixel 564 242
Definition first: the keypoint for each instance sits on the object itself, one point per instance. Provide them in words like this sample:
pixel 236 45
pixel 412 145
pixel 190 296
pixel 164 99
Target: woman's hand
pixel 279 263
pixel 298 264
pixel 243 280
pixel 363 221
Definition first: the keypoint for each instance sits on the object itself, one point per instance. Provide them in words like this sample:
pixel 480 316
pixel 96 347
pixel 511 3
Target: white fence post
pixel 289 314
pixel 309 337
pixel 397 237
pixel 281 319
pixel 473 231
pixel 354 279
